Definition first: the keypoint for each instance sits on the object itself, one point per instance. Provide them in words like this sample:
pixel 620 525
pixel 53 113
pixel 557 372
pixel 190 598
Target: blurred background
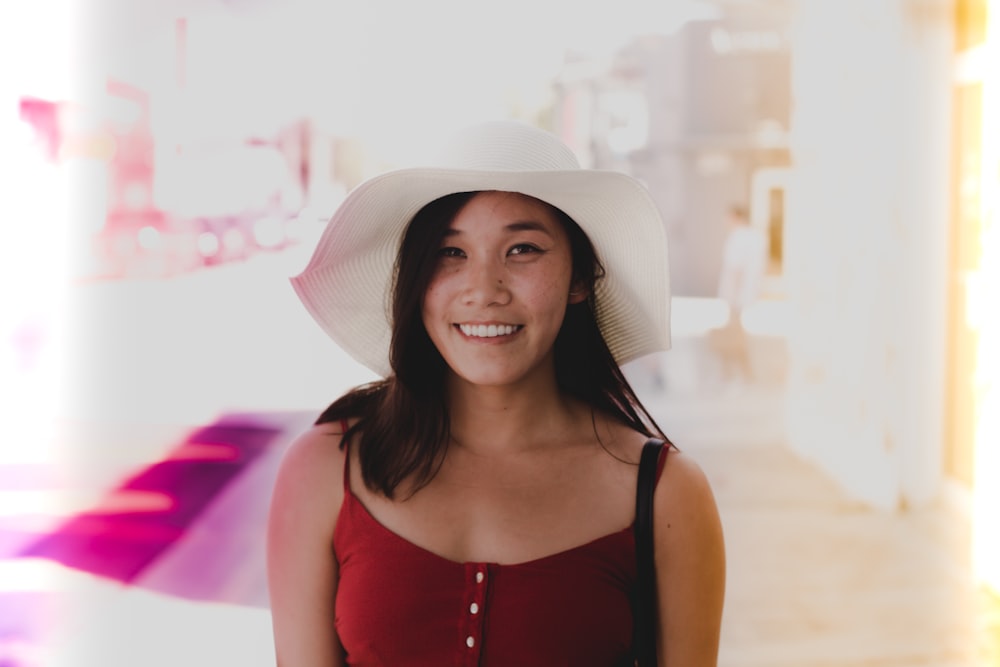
pixel 167 165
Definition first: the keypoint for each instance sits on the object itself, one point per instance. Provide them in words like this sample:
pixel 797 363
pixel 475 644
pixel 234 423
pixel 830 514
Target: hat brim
pixel 347 282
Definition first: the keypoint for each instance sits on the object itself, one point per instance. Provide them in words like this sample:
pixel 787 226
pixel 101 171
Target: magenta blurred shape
pixel 150 511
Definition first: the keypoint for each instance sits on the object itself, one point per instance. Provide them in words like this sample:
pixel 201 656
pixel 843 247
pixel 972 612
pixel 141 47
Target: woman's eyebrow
pixel 519 226
pixel 528 226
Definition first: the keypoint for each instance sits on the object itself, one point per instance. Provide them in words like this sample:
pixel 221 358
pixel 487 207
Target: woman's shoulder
pixel 680 474
pixel 684 505
pixel 320 444
pixel 690 556
pixel 682 477
pixel 312 469
pixel 305 503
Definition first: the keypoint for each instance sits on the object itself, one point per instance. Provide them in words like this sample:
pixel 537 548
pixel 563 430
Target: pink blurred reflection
pixel 134 523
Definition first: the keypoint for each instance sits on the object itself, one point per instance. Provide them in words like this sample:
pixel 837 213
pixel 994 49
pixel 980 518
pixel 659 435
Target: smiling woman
pixel 500 273
pixel 480 499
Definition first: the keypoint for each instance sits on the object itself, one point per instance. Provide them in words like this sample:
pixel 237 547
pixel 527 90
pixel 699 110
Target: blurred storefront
pixel 191 169
pixel 701 115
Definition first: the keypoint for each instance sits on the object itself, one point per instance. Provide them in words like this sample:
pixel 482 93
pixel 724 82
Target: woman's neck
pixel 500 420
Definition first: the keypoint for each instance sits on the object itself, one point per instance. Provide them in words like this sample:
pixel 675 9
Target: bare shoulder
pixel 317 447
pixel 684 503
pixel 683 481
pixel 690 558
pixel 302 569
pixel 311 473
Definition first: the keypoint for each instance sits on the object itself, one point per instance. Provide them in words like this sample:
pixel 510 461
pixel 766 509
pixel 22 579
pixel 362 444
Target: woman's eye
pixel 450 252
pixel 524 249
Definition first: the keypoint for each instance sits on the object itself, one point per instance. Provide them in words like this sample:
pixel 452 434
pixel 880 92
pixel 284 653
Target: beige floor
pixel 815 580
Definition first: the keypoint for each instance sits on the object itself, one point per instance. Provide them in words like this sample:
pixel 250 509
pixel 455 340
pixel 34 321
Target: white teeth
pixel 487 330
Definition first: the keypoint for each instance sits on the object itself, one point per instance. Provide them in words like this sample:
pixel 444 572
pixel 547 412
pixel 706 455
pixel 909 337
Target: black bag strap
pixel 644 608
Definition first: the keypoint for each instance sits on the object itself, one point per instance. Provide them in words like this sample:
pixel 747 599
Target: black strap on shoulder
pixel 644 613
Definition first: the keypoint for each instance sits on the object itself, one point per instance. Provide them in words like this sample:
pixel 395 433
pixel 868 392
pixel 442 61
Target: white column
pixel 865 245
pixel 922 238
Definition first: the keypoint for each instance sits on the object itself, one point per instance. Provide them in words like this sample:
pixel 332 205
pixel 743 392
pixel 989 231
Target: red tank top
pixel 399 604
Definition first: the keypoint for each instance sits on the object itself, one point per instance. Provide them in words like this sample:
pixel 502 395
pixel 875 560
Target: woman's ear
pixel 578 293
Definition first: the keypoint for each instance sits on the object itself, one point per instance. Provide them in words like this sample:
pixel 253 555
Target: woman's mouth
pixel 489 330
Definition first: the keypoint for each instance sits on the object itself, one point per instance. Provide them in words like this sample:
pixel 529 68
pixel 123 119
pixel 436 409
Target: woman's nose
pixel 486 286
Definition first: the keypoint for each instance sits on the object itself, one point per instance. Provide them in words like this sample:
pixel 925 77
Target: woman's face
pixel 500 288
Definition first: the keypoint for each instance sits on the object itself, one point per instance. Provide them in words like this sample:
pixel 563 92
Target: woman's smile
pixel 489 330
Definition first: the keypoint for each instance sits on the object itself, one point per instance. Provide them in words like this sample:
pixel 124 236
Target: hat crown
pixel 506 146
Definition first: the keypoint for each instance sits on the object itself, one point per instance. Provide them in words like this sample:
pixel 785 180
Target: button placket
pixel 477 579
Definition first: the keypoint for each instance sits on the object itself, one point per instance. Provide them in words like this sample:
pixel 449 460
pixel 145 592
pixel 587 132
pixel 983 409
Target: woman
pixel 475 505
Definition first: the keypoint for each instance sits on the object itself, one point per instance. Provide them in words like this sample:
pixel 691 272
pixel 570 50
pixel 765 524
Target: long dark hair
pixel 403 426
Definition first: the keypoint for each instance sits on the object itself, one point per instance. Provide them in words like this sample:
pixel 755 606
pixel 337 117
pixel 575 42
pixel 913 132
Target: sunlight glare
pixel 35 248
pixel 986 486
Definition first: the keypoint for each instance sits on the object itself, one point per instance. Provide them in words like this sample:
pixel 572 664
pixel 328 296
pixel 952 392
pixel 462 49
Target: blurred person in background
pixel 744 261
pixel 476 505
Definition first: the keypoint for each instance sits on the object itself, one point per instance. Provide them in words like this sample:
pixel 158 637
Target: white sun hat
pixel 347 283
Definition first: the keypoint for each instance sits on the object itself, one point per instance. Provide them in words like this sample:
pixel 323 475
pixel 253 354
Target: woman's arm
pixel 301 566
pixel 690 565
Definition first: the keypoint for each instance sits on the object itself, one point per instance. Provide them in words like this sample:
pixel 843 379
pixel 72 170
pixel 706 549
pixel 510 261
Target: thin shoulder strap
pixel 644 616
